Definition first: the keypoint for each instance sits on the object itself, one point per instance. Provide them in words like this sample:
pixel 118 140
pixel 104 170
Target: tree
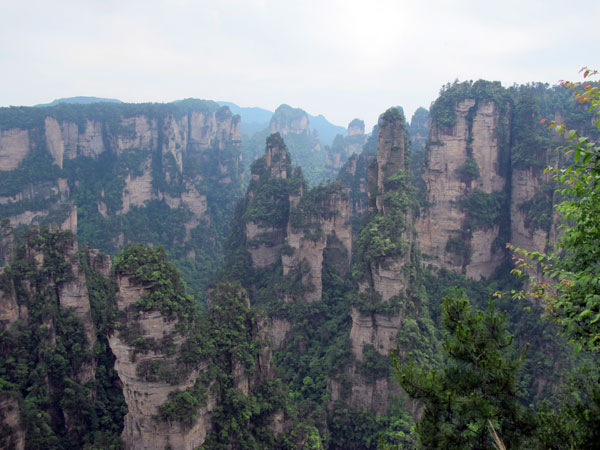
pixel 573 298
pixel 475 396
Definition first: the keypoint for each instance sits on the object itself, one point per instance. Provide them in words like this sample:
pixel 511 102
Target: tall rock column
pixel 154 316
pixel 48 345
pixel 388 311
pixel 466 169
pixel 265 219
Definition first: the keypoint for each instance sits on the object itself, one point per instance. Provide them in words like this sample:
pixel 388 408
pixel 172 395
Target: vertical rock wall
pixel 156 142
pixel 448 237
pixel 144 428
pixel 386 277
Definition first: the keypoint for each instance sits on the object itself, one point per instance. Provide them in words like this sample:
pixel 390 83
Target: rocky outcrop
pixel 46 293
pixel 196 131
pixel 343 147
pixel 266 219
pixel 73 296
pixel 387 276
pixel 264 243
pixel 288 120
pixel 144 428
pixel 12 434
pixel 7 243
pixel 288 224
pixel 14 148
pixel 138 189
pixel 278 330
pixel 466 161
pixel 141 132
pixel 419 128
pixel 10 310
pixel 385 271
pixel 354 176
pixel 377 331
pixel 309 235
pixel 118 160
pixel 391 150
pixel 356 128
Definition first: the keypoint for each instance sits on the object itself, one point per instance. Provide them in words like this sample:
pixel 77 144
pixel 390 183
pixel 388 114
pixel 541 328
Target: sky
pixel 342 59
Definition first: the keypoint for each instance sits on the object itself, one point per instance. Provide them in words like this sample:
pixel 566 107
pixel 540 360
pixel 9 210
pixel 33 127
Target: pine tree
pixel 475 396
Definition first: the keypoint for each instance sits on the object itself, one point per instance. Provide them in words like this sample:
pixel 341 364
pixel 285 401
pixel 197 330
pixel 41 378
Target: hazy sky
pixel 342 59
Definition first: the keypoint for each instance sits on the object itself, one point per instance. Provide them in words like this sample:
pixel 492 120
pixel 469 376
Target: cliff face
pixel 287 224
pixel 386 259
pixel 269 203
pixel 14 147
pixel 92 350
pixel 466 171
pixel 13 436
pixel 483 174
pixel 287 120
pixel 354 177
pixel 343 147
pixel 534 223
pixel 171 170
pixel 178 368
pixel 319 220
pixel 50 332
pixel 144 392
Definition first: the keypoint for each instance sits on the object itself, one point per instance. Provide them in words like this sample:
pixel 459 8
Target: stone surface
pixel 144 429
pixel 54 140
pixel 14 147
pixel 386 278
pixel 137 190
pixel 181 136
pixel 288 120
pixel 10 417
pixel 443 218
pixel 309 251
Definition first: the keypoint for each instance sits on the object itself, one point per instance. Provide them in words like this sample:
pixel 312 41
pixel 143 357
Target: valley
pixel 172 277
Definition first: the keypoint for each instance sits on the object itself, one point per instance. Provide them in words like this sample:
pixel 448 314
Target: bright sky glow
pixel 342 59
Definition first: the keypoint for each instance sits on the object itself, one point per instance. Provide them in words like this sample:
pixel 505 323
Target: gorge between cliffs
pixel 172 280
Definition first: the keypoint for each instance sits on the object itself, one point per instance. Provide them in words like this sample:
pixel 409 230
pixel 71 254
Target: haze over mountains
pixel 171 278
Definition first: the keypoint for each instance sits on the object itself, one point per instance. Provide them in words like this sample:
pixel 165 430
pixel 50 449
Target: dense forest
pixel 440 291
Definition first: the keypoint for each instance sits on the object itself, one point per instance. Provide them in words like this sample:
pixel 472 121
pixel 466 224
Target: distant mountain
pixel 326 130
pixel 251 114
pixel 257 119
pixel 81 100
pixel 253 119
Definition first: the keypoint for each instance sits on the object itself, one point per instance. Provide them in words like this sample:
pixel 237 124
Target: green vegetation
pixel 574 298
pixel 538 210
pixel 150 268
pixel 95 185
pixel 107 112
pixel 459 247
pixel 476 392
pixel 314 205
pixel 224 340
pixel 454 417
pixel 533 144
pixel 485 210
pixel 442 111
pixel 385 235
pixel 46 352
pixel 469 171
pixel 482 385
